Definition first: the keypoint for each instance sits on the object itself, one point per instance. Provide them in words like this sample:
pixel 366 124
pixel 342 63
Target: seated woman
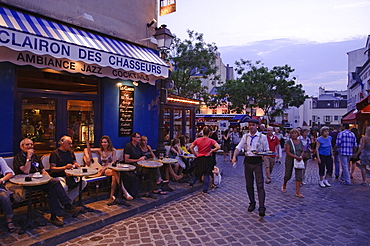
pixel 175 153
pixel 6 174
pixel 107 155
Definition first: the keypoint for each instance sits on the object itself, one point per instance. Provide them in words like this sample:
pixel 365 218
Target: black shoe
pixel 192 182
pixel 57 221
pixel 262 211
pixel 204 192
pixel 74 210
pixel 252 207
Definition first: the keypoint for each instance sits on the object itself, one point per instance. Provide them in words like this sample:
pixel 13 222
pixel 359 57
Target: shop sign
pixel 167 7
pixel 62 64
pixel 42 46
pixel 126 110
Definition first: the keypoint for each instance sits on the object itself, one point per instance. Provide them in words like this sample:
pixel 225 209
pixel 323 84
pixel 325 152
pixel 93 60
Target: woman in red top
pixel 204 162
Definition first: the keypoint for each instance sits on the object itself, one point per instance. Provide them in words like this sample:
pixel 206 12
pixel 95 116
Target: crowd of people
pixel 337 153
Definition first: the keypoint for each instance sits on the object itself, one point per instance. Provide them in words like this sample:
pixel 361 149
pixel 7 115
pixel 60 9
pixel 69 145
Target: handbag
pixel 71 182
pixel 297 164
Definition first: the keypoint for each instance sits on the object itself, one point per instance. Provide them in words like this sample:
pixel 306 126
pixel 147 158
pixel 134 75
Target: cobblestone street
pixel 326 216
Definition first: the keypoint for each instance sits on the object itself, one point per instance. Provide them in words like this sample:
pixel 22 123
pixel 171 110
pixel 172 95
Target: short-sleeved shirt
pixel 325 145
pixel 4 168
pixel 204 145
pixel 273 142
pixel 61 158
pixel 306 142
pixel 135 152
pixel 346 140
pixel 20 160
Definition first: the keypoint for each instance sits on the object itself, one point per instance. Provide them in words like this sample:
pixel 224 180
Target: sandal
pixel 178 177
pixel 299 195
pixel 128 196
pixel 283 189
pixel 159 192
pixel 11 227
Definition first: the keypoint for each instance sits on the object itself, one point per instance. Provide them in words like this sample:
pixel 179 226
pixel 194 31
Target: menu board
pixel 126 110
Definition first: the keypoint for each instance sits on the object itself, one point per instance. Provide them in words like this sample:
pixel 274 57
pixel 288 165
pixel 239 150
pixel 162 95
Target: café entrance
pixel 50 105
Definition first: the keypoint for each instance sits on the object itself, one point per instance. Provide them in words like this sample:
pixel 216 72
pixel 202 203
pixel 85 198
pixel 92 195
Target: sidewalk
pixel 102 216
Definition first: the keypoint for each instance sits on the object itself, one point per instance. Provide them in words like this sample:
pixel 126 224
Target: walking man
pixel 269 161
pixel 346 143
pixel 253 142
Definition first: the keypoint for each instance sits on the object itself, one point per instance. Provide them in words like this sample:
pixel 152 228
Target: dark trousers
pixel 252 171
pixel 56 194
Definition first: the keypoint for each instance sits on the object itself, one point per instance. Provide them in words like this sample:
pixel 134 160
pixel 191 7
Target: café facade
pixel 59 79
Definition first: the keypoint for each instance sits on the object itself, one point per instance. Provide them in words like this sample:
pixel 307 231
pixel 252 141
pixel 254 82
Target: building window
pixel 327 118
pixel 214 111
pixel 224 111
pixel 336 117
pixel 336 104
pixel 314 104
pixel 314 118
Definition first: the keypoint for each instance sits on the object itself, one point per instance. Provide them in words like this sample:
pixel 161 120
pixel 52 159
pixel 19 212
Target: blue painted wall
pixel 7 83
pixel 145 111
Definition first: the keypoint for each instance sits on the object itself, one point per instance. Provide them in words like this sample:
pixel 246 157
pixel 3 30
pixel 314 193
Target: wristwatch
pixel 28 160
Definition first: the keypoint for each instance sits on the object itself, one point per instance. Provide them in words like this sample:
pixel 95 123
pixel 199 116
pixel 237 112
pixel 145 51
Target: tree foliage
pixel 192 60
pixel 264 86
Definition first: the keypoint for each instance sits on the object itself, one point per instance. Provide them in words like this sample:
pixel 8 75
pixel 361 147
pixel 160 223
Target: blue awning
pixel 25 32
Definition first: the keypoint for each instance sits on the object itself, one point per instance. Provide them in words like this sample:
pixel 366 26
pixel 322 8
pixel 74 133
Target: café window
pixel 39 120
pixel 54 104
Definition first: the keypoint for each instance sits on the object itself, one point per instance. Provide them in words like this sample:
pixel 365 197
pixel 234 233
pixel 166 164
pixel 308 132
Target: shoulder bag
pixel 297 164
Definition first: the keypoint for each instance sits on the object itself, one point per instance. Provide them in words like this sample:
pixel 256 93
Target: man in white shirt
pixel 252 143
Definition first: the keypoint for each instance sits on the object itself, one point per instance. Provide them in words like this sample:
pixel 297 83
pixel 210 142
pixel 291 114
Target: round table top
pixel 122 167
pixel 167 160
pixel 188 156
pixel 150 164
pixel 77 172
pixel 20 179
pixel 219 151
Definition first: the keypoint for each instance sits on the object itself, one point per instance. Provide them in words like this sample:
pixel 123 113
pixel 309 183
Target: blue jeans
pixel 344 159
pixel 336 163
pixel 6 204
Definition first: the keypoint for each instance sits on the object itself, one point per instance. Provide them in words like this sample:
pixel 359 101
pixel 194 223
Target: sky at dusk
pixel 312 37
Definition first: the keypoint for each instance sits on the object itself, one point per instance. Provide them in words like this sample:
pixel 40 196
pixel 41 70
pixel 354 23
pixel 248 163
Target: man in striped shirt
pixel 346 143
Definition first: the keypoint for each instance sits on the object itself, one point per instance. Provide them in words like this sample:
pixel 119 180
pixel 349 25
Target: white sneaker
pixel 321 183
pixel 326 183
pixel 304 182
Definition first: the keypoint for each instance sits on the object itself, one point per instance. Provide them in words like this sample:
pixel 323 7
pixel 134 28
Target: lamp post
pixel 164 38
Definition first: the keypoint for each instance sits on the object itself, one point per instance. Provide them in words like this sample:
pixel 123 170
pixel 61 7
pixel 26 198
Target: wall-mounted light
pixel 119 84
pixel 135 83
pixel 151 23
pixel 151 39
pixel 84 15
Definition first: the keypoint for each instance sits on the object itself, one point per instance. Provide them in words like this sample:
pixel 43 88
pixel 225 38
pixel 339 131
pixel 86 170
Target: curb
pixel 74 230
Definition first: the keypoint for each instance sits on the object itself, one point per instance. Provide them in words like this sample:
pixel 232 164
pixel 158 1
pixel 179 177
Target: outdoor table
pixel 152 164
pixel 189 156
pixel 77 172
pixel 20 179
pixel 219 151
pixel 167 160
pixel 120 168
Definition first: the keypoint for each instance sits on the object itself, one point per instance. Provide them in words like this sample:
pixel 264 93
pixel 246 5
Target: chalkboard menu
pixel 126 110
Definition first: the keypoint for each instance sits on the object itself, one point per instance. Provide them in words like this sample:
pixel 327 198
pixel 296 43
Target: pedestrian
pixel 364 153
pixel 252 143
pixel 293 150
pixel 280 136
pixel 234 141
pixel 204 162
pixel 346 143
pixel 324 152
pixel 306 141
pixel 226 144
pixel 353 161
pixel 269 160
pixel 6 173
pixel 334 134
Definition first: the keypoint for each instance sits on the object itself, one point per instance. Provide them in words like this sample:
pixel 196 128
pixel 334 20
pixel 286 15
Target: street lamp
pixel 164 38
